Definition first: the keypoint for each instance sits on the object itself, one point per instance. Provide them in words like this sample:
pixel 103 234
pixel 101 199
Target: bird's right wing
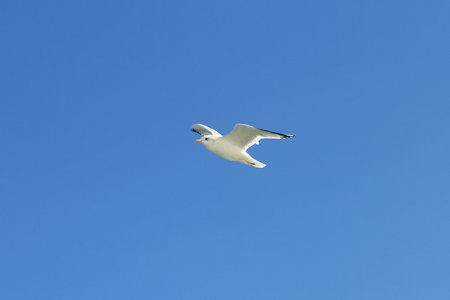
pixel 204 130
pixel 245 136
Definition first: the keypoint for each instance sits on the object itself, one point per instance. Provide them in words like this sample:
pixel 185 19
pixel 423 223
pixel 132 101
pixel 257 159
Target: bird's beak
pixel 198 141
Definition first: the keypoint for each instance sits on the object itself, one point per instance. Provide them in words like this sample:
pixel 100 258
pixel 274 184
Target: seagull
pixel 234 145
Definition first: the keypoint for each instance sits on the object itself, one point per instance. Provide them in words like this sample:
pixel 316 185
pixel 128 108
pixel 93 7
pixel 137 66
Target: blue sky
pixel 105 195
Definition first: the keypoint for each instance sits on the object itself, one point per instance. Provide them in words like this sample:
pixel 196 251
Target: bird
pixel 234 145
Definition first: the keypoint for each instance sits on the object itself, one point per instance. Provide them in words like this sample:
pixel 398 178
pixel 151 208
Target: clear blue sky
pixel 105 195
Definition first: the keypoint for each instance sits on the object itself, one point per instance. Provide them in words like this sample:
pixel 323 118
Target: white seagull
pixel 234 145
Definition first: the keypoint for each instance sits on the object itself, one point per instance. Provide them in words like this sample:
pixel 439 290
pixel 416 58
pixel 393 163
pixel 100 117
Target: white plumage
pixel 234 145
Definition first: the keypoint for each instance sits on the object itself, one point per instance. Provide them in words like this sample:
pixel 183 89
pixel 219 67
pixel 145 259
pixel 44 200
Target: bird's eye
pixel 206 139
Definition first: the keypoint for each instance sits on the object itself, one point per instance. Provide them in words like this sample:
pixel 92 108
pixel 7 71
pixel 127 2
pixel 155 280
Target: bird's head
pixel 207 139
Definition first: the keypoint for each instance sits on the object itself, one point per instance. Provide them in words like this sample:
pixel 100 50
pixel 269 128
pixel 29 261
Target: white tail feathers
pixel 259 165
pixel 253 162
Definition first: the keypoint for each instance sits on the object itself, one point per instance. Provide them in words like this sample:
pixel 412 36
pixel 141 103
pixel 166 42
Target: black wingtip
pixel 283 136
pixel 287 136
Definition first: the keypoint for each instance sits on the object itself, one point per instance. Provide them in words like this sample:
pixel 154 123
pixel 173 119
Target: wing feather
pixel 204 130
pixel 246 136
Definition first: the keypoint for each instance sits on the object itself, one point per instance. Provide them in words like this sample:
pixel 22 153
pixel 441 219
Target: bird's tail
pixel 253 162
pixel 258 164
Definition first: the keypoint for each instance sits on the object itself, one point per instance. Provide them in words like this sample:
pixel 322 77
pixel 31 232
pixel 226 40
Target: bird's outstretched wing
pixel 245 136
pixel 205 130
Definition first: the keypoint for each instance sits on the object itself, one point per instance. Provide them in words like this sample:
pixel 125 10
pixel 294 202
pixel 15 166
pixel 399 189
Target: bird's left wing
pixel 245 136
pixel 205 130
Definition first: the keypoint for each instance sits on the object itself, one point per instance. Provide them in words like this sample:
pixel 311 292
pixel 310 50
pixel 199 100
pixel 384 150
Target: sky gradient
pixel 105 195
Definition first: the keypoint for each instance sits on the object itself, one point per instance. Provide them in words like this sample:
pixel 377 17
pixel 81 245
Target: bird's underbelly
pixel 229 152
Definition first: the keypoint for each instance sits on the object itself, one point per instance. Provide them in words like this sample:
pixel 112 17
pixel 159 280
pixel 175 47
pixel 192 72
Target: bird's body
pixel 232 152
pixel 234 145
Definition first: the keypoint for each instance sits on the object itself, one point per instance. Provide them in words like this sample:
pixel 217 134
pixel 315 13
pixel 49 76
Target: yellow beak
pixel 198 141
